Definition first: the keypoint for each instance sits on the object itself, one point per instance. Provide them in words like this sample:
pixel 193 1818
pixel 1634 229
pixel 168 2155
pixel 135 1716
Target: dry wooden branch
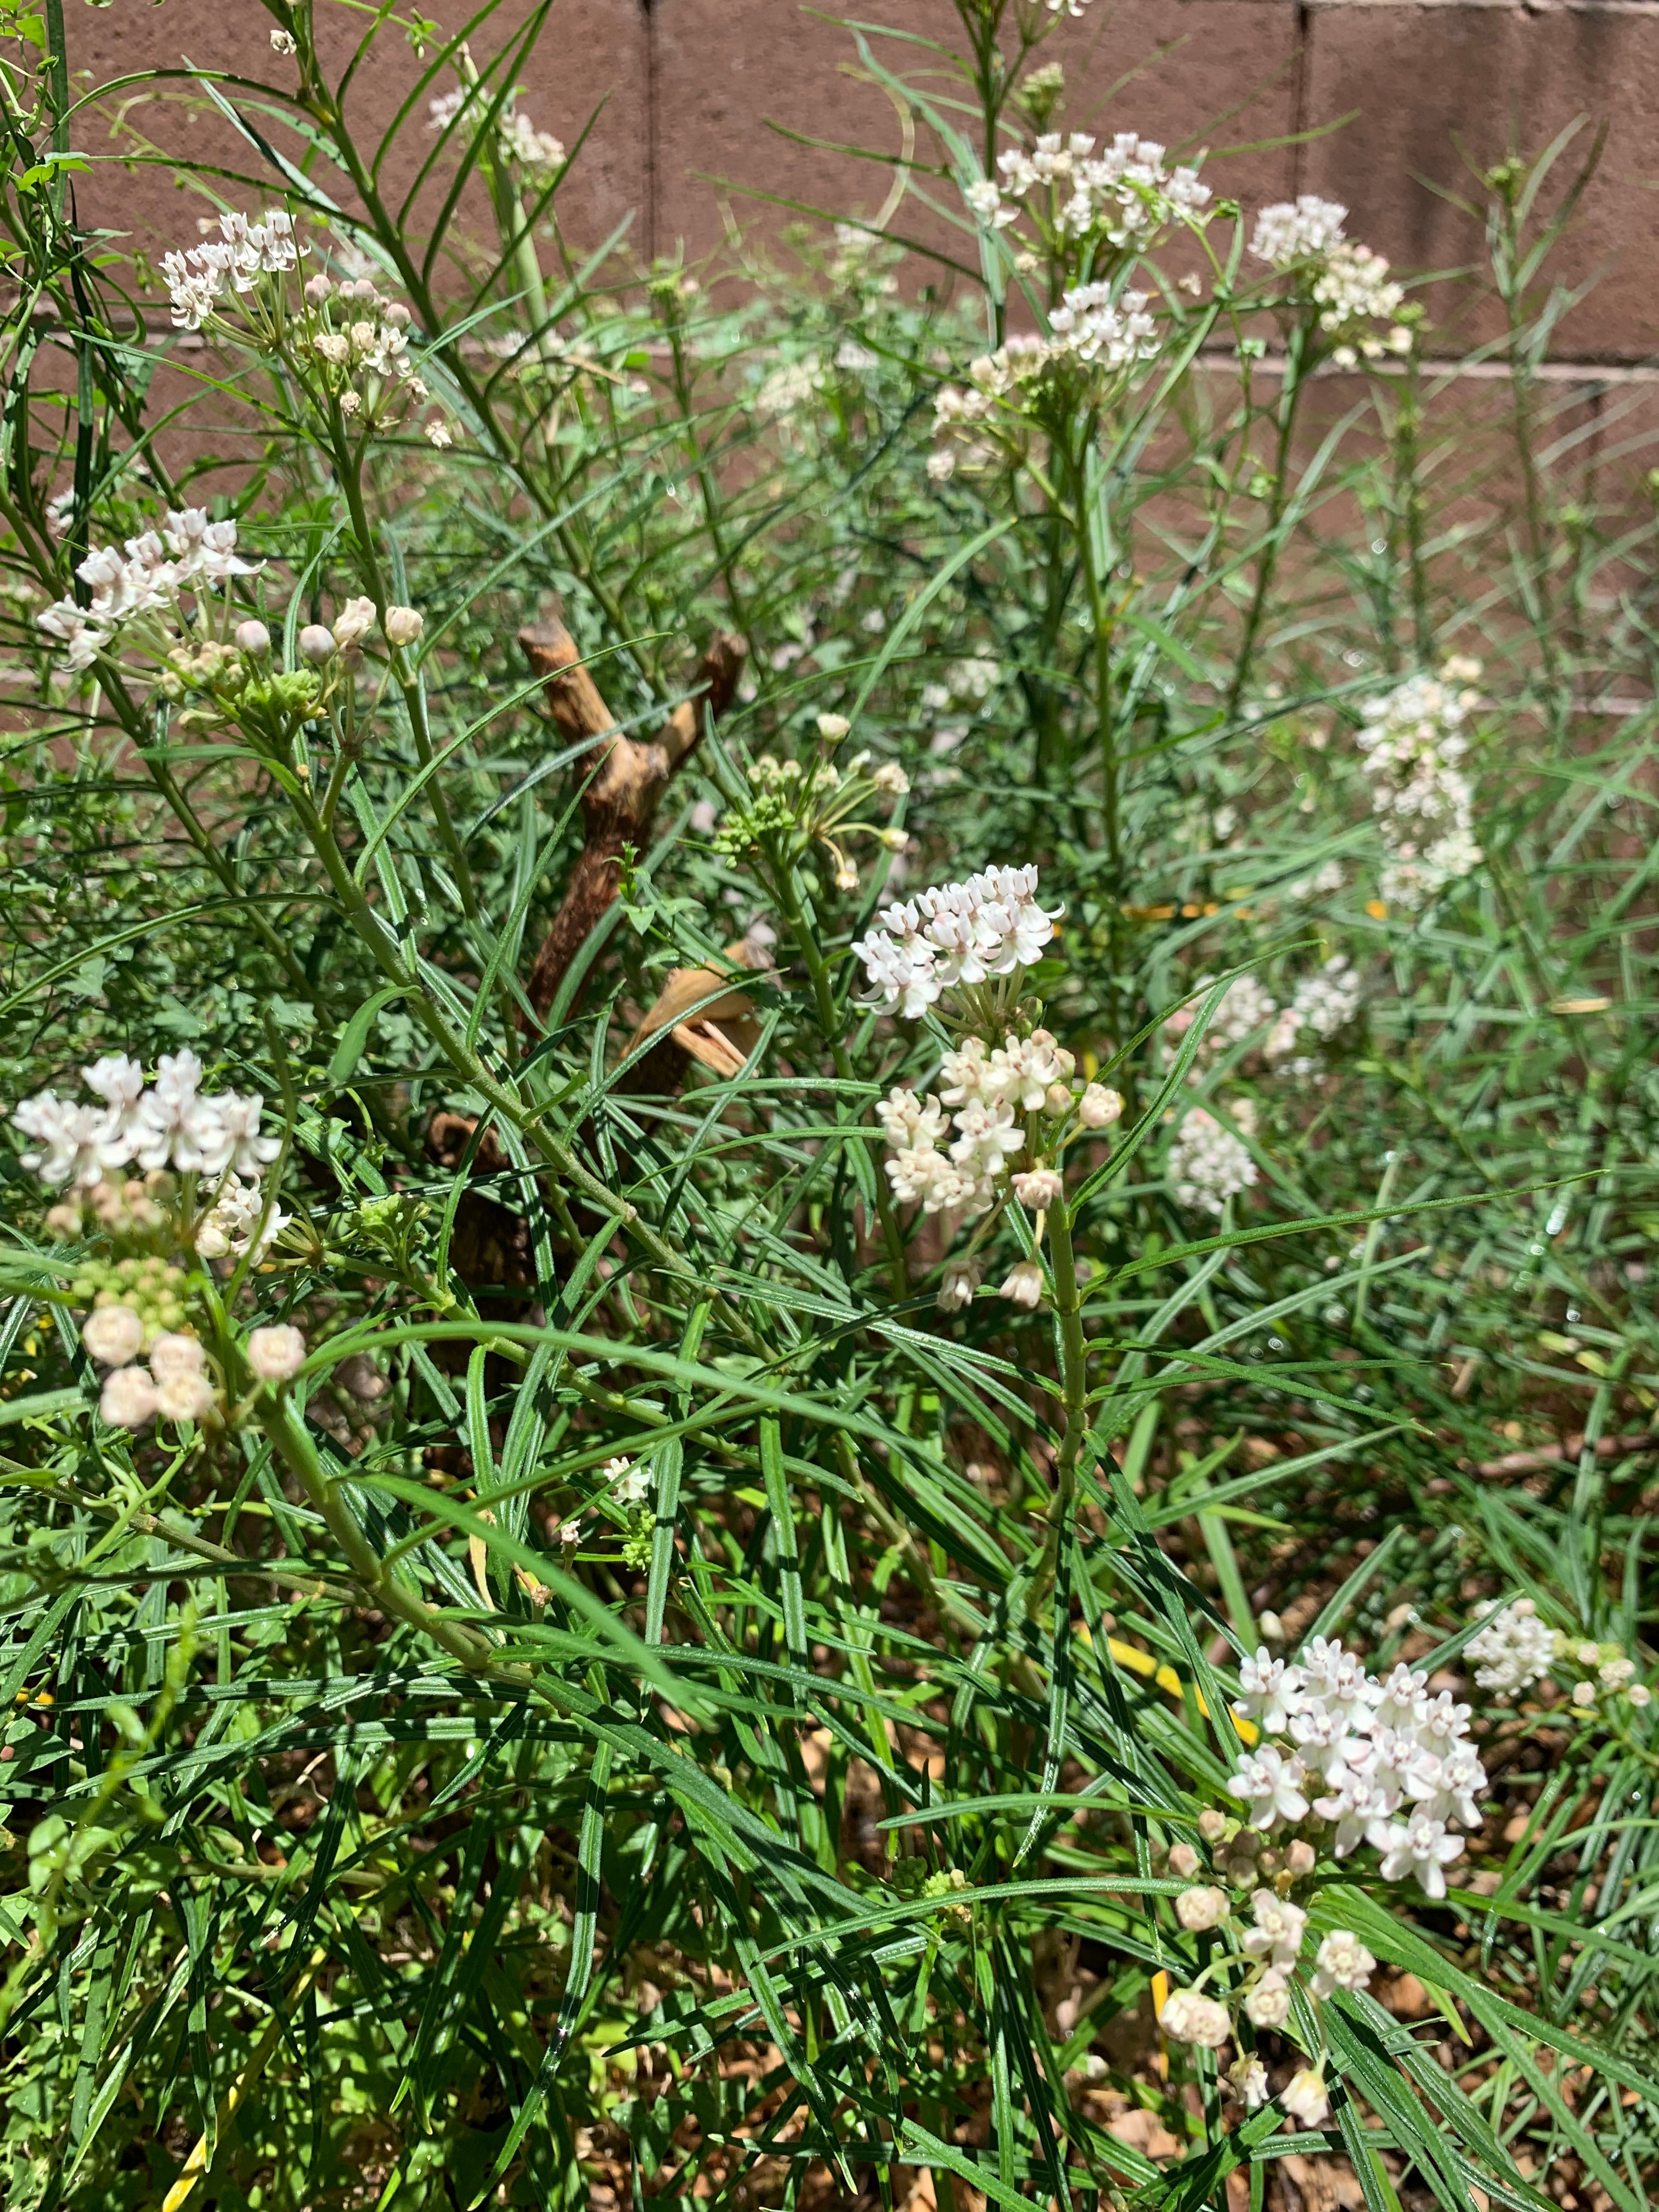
pixel 625 786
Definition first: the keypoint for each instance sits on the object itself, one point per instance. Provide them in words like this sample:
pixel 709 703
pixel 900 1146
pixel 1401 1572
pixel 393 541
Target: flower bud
pixel 114 1335
pixel 317 644
pixel 319 288
pixel 1038 1189
pixel 128 1400
pixel 276 1354
pixel 1268 2004
pixel 832 728
pixel 1022 1284
pixel 174 1356
pixel 1212 1825
pixel 1301 1858
pixel 185 1398
pixel 891 778
pixel 252 637
pixel 1183 1860
pixel 1202 1908
pixel 404 625
pixel 1098 1108
pixel 1304 2099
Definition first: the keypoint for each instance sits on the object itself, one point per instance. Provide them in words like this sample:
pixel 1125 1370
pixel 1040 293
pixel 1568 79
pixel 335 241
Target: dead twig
pixel 625 786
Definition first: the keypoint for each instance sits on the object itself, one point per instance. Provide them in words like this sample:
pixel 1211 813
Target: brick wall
pixel 689 87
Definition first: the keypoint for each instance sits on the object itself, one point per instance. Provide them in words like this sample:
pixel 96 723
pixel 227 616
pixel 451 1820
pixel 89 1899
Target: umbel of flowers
pixel 340 338
pixel 198 1197
pixel 793 805
pixel 1347 285
pixel 1353 1759
pixel 1412 744
pixel 1210 1162
pixel 1007 1102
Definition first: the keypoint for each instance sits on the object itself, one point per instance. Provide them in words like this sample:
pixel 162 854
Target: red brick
pixel 1421 75
pixel 773 63
pixel 590 51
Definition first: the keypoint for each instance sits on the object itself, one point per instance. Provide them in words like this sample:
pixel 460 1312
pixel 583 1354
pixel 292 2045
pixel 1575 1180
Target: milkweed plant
pixel 825 1326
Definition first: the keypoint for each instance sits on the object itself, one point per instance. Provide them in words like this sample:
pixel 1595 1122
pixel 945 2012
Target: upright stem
pixel 414 698
pixel 1267 565
pixel 1075 1394
pixel 830 1027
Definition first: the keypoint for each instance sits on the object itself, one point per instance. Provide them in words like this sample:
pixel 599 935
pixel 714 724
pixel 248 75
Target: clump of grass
pixel 852 1040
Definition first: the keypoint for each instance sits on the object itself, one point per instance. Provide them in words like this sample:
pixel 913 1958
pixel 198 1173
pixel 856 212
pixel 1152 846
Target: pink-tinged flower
pixel 1271 1785
pixel 1421 1846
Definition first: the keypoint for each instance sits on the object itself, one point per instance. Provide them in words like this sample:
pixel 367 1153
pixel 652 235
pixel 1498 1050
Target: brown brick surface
pixel 690 84
pixel 592 50
pixel 1220 72
pixel 1422 77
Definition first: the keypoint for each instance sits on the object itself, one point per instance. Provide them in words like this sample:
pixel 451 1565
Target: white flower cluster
pixel 243 254
pixel 1348 283
pixel 1303 229
pixel 1270 1952
pixel 1514 1650
pixel 1382 1761
pixel 1412 745
pixel 169 1126
pixel 789 387
pixel 361 340
pixel 1323 1004
pixel 174 1385
pixel 1208 1164
pixel 954 934
pixel 1129 191
pixel 991 1092
pixel 965 683
pixel 189 554
pixel 537 151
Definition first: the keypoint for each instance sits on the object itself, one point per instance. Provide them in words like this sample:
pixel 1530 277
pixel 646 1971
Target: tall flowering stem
pixel 1074 1399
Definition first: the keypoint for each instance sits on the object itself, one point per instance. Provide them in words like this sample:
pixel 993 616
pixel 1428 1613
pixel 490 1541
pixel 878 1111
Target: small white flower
pixel 185 1398
pixel 402 625
pixel 353 623
pixel 1421 1846
pixel 1268 2004
pixel 114 1335
pixel 1342 1963
pixel 1277 1935
pixel 1271 1785
pixel 1038 1189
pixel 630 1484
pixel 960 1281
pixel 1247 2078
pixel 282 42
pixel 1583 1695
pixel 277 1353
pixel 1304 2099
pixel 1273 1692
pixel 1022 1284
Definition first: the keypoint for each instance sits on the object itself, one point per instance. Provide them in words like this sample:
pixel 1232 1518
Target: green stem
pixel 1074 1391
pixel 802 927
pixel 349 468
